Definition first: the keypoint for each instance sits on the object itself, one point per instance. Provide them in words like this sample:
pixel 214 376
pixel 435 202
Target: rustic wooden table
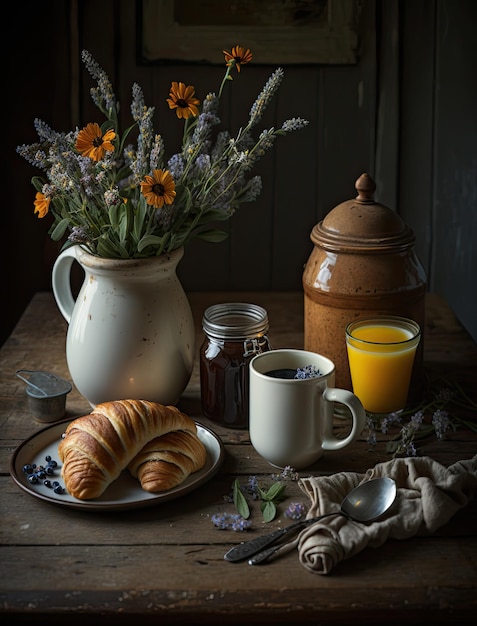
pixel 165 564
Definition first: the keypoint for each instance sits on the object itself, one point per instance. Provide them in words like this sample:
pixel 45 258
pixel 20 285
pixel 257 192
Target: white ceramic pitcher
pixel 131 331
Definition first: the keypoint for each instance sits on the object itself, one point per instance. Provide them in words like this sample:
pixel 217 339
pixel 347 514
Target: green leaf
pixel 275 492
pixel 239 500
pixel 107 125
pixel 124 226
pixel 214 236
pixel 59 230
pixel 149 240
pixel 107 249
pixel 139 219
pixel 37 182
pixel 269 510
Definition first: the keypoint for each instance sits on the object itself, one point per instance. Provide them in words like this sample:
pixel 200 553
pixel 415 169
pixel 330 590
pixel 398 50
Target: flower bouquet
pixel 119 200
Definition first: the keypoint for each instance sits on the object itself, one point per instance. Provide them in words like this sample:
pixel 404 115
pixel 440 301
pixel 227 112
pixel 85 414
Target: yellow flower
pixel 182 100
pixel 92 143
pixel 239 56
pixel 159 189
pixel 42 204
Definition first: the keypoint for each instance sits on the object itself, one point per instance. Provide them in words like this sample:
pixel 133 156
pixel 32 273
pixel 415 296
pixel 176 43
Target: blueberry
pixel 36 473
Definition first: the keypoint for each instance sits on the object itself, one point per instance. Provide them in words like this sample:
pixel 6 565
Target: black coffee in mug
pixel 282 373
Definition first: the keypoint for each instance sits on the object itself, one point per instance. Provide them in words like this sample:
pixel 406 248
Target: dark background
pixel 405 113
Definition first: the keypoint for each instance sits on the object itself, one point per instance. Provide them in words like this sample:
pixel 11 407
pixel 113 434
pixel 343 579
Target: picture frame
pixel 287 33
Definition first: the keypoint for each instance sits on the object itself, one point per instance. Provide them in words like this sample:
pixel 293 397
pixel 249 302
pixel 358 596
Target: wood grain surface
pixel 165 564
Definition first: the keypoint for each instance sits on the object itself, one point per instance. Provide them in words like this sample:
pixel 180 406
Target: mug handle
pixel 330 442
pixel 61 283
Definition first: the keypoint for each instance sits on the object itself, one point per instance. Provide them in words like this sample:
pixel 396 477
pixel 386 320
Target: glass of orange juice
pixel 381 355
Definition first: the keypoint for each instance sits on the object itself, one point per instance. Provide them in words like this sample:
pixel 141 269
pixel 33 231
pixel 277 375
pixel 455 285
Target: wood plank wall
pixel 405 113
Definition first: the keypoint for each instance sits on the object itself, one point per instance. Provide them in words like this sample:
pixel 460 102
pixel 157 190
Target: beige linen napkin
pixel 428 495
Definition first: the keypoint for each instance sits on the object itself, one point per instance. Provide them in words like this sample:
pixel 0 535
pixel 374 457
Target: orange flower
pixel 239 56
pixel 42 204
pixel 182 100
pixel 159 189
pixel 92 143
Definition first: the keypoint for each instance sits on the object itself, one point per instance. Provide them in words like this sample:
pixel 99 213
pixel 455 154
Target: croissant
pixel 97 447
pixel 167 461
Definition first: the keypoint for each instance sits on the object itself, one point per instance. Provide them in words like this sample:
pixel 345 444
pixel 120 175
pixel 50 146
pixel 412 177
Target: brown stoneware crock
pixel 363 264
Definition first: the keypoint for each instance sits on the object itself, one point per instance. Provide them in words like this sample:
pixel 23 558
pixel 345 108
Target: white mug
pixel 291 419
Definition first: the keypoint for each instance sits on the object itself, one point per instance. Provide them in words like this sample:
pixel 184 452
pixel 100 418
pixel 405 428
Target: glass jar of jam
pixel 234 333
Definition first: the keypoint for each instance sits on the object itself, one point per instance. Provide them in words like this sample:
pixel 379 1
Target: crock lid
pixel 362 223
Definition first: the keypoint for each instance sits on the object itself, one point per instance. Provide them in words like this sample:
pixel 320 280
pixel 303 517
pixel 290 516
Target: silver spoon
pixel 364 503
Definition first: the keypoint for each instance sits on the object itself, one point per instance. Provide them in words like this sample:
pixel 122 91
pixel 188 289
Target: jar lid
pixel 362 223
pixel 235 320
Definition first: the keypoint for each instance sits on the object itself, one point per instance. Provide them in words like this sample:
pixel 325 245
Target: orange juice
pixel 381 355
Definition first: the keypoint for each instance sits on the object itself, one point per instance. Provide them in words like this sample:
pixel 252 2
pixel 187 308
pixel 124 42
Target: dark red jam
pixel 234 334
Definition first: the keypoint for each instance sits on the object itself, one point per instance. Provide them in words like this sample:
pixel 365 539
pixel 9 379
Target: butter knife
pixel 248 548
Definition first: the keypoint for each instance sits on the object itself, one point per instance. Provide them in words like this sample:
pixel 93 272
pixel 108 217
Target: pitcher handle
pixel 61 282
pixel 330 442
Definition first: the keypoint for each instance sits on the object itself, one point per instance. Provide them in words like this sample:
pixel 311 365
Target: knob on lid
pixel 362 223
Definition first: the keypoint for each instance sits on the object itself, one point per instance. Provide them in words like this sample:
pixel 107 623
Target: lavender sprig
pixel 296 511
pixel 431 417
pixel 309 371
pixel 235 522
